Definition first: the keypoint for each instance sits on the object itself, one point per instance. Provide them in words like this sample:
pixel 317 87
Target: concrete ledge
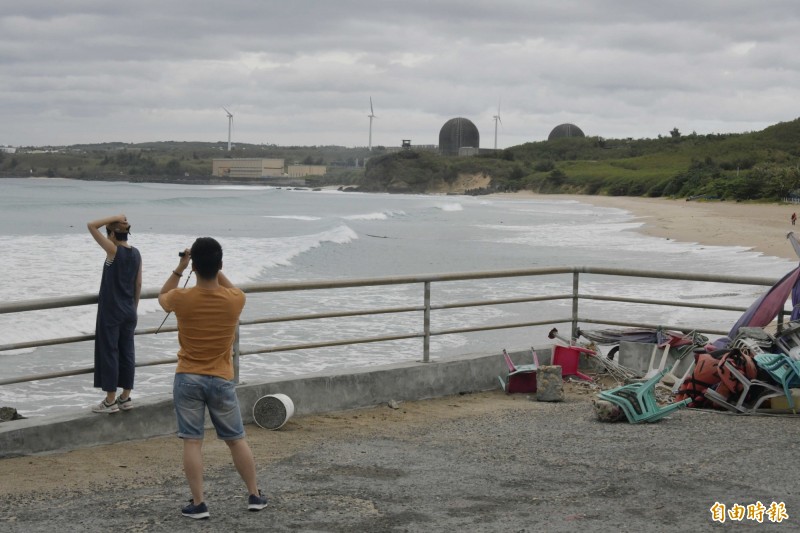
pixel 318 393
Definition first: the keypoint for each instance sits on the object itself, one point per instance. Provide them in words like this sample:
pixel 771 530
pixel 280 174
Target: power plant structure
pixel 565 130
pixel 458 134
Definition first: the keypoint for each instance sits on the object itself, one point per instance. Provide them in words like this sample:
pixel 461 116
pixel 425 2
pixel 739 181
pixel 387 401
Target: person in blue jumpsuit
pixel 120 289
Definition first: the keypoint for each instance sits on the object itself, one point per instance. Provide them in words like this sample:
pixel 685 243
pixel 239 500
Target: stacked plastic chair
pixel 783 369
pixel 638 400
pixel 789 339
pixel 737 405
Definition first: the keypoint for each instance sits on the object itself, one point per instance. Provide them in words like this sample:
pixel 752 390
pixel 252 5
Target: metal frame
pixel 427 307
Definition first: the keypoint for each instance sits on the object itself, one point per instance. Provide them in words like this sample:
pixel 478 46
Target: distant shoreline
pixel 175 180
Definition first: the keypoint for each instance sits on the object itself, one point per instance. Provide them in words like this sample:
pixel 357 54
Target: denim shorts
pixel 193 393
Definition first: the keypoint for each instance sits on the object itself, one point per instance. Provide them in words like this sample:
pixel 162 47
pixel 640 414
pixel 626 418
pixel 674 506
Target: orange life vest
pixel 710 372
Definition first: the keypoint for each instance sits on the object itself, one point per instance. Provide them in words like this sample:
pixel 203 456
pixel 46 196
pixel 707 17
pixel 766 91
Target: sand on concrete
pixel 474 462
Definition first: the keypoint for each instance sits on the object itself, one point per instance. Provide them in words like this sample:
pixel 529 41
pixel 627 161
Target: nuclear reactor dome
pixel 458 133
pixel 565 130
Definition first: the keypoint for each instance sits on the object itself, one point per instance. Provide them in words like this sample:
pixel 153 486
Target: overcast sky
pixel 297 72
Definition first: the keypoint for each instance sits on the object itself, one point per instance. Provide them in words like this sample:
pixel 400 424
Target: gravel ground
pixel 475 462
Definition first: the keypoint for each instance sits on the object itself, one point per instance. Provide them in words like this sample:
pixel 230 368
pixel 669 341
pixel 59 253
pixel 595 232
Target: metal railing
pixel 426 308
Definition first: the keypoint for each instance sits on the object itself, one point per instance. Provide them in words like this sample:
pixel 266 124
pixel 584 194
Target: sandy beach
pixel 760 227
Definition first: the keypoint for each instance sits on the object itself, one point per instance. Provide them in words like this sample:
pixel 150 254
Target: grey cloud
pixel 302 72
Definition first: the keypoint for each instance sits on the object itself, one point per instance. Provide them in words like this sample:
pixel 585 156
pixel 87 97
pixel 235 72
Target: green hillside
pixel 760 165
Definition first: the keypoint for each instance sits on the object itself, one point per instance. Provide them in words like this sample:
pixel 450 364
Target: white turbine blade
pixel 371 112
pixel 230 115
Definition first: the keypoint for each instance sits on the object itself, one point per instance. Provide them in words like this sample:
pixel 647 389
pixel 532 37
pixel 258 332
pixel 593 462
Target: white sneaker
pixel 103 407
pixel 125 404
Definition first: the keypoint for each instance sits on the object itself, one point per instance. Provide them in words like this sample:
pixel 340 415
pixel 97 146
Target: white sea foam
pixel 293 217
pixel 619 236
pixel 450 207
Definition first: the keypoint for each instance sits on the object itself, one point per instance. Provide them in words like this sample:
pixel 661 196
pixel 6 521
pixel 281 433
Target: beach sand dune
pixel 761 227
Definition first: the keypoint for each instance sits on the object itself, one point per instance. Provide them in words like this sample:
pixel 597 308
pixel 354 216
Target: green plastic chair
pixel 627 402
pixel 638 400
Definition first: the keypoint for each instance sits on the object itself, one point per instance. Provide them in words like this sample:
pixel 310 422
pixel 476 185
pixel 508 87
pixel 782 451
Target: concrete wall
pixel 310 394
pixel 318 393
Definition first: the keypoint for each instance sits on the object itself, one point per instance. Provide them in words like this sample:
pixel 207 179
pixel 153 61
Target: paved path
pixel 478 462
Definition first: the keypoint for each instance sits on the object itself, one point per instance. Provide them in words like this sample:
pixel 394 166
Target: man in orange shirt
pixel 207 315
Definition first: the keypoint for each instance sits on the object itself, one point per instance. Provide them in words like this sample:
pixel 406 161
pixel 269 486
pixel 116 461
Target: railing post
pixel 575 278
pixel 236 356
pixel 426 320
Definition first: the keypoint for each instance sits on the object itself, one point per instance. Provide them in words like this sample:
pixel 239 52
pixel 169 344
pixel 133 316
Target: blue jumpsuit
pixel 114 360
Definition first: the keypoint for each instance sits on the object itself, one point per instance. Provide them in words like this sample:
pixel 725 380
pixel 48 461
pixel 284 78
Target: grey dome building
pixel 458 133
pixel 565 130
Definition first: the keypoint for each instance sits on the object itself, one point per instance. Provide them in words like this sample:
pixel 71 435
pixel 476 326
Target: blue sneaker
pixel 256 503
pixel 195 511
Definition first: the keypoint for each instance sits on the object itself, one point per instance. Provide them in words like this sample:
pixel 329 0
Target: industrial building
pixel 298 171
pixel 252 168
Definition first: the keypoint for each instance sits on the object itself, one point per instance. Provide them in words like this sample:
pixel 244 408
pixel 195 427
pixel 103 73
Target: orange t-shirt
pixel 207 320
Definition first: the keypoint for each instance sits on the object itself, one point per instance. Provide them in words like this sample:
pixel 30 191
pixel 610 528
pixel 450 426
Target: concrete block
pixel 550 385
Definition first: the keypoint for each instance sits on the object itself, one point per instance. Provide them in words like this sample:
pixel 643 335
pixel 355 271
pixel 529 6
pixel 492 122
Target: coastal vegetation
pixel 168 160
pixel 762 165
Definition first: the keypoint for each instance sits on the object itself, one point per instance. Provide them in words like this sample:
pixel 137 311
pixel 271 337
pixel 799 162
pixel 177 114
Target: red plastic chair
pixel 567 357
pixel 520 378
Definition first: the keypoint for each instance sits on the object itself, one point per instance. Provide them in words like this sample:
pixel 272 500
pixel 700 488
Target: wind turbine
pixel 371 116
pixel 230 126
pixel 496 120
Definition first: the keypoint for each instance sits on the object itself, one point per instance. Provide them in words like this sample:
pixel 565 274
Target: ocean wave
pixel 80 267
pixel 380 215
pixel 202 201
pixel 248 257
pixel 709 296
